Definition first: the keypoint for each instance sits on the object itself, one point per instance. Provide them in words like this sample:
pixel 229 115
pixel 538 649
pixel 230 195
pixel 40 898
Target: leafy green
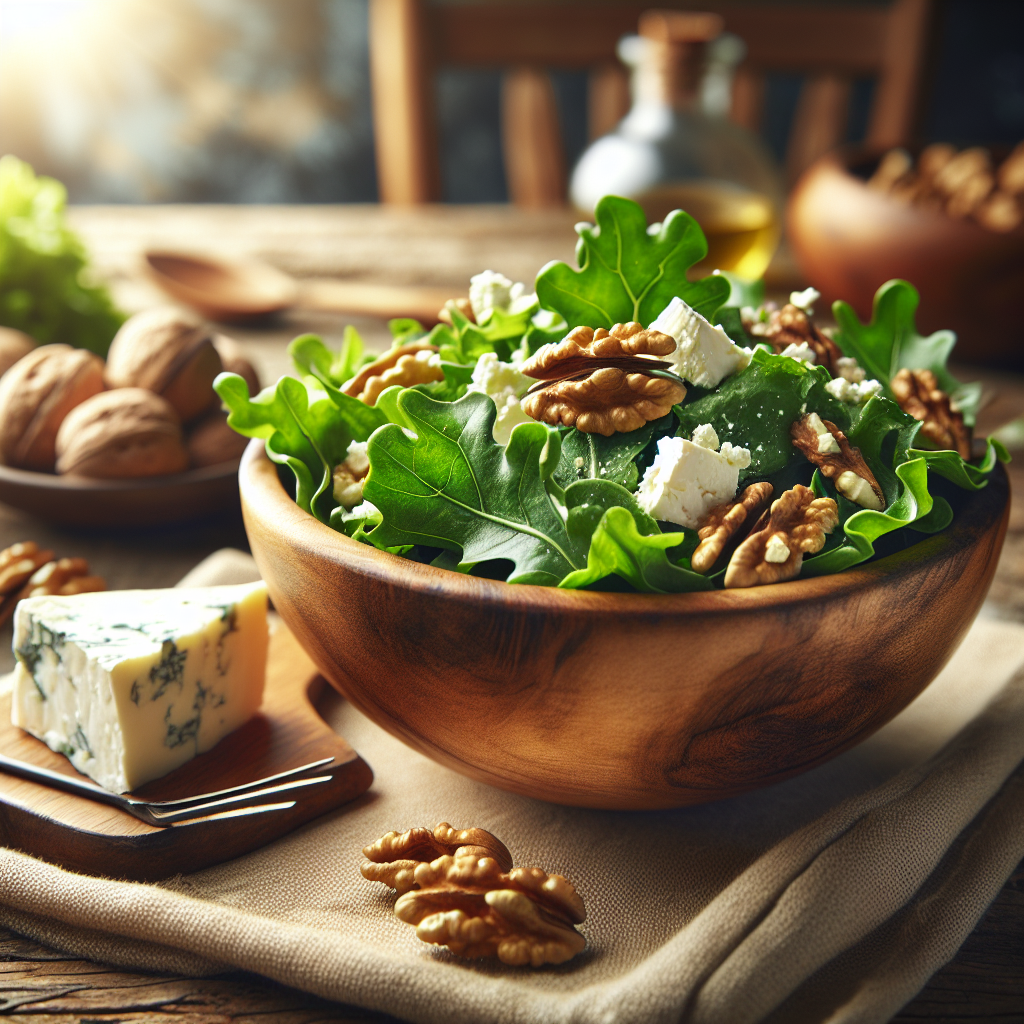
pixel 963 474
pixel 303 428
pixel 629 271
pixel 756 407
pixel 311 356
pixel 618 547
pixel 44 285
pixel 884 434
pixel 451 486
pixel 608 458
pixel 405 330
pixel 891 342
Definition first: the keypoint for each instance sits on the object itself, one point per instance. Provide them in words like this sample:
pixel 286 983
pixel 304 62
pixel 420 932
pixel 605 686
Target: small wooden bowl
pixel 849 239
pixel 143 501
pixel 621 700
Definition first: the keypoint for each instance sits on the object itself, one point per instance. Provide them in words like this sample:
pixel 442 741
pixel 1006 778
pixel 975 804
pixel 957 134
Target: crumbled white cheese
pixel 685 481
pixel 853 392
pixel 350 475
pixel 735 455
pixel 357 459
pixel 490 290
pixel 776 549
pixel 364 509
pixel 805 300
pixel 131 684
pixel 705 355
pixel 849 370
pixel 705 436
pixel 803 352
pixel 827 444
pixel 505 386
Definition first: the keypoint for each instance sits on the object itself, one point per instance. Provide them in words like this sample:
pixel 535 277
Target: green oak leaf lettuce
pixel 303 429
pixel 891 342
pixel 450 486
pixel 629 271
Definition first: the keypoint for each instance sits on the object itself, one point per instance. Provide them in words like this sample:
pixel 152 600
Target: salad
pixel 625 428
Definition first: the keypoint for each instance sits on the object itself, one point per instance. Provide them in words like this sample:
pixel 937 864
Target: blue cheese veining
pixel 131 684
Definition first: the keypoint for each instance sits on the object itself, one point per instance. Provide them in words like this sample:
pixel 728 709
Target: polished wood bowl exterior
pixel 849 239
pixel 621 700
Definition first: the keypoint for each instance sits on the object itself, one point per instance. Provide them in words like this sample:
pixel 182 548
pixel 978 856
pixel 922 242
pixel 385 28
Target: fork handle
pixel 59 781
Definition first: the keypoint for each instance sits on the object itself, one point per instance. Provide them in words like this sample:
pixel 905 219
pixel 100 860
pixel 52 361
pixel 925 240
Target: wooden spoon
pixel 223 289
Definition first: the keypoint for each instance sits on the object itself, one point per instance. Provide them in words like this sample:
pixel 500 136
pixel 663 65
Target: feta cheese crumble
pixel 705 436
pixel 803 352
pixel 349 476
pixel 805 300
pixel 705 355
pixel 491 290
pixel 827 444
pixel 776 549
pixel 505 386
pixel 849 370
pixel 687 480
pixel 853 392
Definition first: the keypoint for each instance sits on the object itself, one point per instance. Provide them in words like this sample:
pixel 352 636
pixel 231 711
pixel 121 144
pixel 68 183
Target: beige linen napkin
pixel 831 897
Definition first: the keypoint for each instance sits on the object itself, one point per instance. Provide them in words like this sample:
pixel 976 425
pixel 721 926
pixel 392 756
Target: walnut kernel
pixel 18 563
pixel 918 393
pixel 405 365
pixel 774 551
pixel 725 522
pixel 583 348
pixel 822 443
pixel 65 576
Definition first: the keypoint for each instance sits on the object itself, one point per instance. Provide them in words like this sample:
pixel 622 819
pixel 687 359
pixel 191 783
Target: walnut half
pixel 404 364
pixel 473 901
pixel 724 523
pixel 602 382
pixel 918 393
pixel 822 443
pixel 774 551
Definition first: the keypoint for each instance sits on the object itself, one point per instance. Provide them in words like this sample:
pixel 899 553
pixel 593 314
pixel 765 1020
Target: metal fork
pixel 245 799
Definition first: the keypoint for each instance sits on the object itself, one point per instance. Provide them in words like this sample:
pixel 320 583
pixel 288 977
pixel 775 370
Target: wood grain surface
pixel 583 698
pixel 983 984
pixel 82 835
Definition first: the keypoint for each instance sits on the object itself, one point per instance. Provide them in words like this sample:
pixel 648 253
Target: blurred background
pixel 268 101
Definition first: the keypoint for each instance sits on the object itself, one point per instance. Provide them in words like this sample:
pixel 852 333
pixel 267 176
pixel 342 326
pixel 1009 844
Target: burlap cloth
pixel 831 897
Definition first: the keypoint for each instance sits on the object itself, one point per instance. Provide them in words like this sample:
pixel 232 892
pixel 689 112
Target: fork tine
pixel 203 798
pixel 250 798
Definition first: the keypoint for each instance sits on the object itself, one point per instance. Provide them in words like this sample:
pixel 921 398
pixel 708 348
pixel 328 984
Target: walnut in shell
pixel 404 364
pixel 211 442
pixel 36 393
pixel 918 393
pixel 822 443
pixel 167 353
pixel 129 432
pixel 13 345
pixel 774 551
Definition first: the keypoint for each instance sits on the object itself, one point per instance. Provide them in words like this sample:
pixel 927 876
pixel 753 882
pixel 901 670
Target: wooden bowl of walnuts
pixel 137 440
pixel 631 701
pixel 952 222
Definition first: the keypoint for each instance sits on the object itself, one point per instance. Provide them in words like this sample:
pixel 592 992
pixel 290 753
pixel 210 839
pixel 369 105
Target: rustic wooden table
pixel 442 246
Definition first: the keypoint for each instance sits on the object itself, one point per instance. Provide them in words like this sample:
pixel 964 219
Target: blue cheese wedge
pixel 131 684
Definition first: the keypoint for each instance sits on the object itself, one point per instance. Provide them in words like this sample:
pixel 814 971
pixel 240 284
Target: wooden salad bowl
pixel 628 701
pixel 850 239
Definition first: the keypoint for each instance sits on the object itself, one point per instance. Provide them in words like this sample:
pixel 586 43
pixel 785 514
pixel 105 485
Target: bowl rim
pixel 68 483
pixel 258 479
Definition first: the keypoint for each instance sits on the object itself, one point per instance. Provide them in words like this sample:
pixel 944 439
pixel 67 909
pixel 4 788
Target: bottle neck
pixel 670 74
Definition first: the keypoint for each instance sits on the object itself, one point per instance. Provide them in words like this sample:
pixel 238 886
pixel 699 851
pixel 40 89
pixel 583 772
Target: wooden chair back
pixel 831 46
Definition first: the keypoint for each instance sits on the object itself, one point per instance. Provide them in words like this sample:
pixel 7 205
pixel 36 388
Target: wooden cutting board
pixel 92 838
